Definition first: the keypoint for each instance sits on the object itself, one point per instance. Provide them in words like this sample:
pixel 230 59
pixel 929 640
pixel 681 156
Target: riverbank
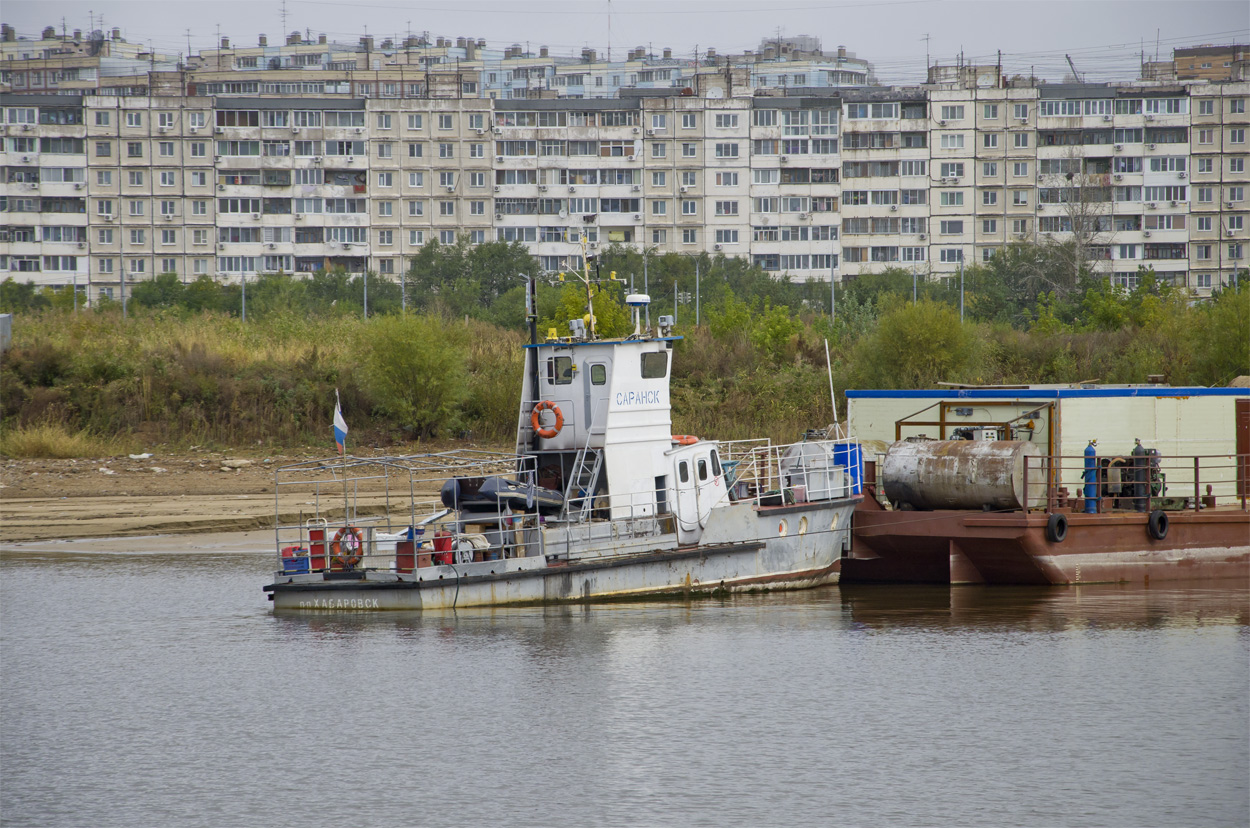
pixel 125 496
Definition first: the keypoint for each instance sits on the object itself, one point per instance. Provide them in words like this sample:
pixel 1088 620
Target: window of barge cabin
pixel 654 365
pixel 560 370
pixel 598 374
pixel 238 118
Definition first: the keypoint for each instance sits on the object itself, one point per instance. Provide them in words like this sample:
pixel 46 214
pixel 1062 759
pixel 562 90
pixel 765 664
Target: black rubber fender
pixel 1157 525
pixel 1056 528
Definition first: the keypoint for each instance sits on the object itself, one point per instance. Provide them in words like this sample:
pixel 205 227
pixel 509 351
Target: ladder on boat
pixel 579 494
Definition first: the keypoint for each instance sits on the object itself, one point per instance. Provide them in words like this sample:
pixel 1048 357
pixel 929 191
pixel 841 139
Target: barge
pixel 975 505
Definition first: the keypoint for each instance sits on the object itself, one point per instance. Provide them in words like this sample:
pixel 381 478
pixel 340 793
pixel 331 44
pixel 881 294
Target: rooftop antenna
pixel 609 31
pixel 1075 74
pixel 284 17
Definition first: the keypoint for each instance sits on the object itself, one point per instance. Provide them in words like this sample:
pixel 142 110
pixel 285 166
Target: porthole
pixel 802 526
pixel 782 529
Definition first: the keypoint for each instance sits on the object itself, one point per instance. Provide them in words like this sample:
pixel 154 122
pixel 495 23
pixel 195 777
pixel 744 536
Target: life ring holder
pixel 349 557
pixel 685 439
pixel 546 433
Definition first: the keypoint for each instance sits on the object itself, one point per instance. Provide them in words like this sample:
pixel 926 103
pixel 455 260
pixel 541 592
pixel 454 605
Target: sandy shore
pixel 199 492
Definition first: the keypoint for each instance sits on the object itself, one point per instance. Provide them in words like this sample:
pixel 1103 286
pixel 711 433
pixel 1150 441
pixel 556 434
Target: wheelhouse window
pixel 560 370
pixel 655 365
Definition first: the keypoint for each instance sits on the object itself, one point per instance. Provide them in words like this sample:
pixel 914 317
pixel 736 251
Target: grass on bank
pixel 55 441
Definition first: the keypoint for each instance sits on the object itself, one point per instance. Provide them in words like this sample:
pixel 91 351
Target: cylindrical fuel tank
pixel 961 474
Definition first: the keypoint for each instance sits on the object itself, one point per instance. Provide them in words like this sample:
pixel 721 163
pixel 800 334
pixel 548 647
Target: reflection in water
pixel 152 688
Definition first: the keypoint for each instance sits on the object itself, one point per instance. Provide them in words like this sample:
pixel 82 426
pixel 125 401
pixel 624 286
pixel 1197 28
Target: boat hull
pixel 966 546
pixel 773 562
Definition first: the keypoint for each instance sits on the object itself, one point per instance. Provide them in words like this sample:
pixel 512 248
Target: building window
pixel 689 236
pixel 687 120
pixel 990 112
pixel 1020 140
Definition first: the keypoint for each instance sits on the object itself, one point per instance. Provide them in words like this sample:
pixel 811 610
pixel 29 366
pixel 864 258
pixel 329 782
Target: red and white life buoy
pixel 347 547
pixel 547 433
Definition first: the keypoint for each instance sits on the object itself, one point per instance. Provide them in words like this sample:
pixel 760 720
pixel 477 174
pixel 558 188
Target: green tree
pixel 916 346
pixel 415 370
pixel 164 291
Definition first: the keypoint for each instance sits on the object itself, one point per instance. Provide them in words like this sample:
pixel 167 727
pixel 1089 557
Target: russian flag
pixel 340 425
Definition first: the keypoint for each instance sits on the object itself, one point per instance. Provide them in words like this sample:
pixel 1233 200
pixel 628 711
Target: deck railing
pixel 1139 482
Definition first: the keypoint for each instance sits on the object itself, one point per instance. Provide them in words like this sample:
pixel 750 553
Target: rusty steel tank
pixel 961 474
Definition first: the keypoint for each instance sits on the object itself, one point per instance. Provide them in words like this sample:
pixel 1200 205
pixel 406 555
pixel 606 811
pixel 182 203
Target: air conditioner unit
pixel 923 237
pixel 497 130
pixel 1151 205
pixel 162 130
pixel 802 216
pixel 716 247
pixel 941 123
pixel 1229 204
pixel 592 245
pixel 79 185
pixel 27 127
pixel 1146 234
pixel 496 188
pixel 635 130
pixel 1173 203
pixel 572 189
pixel 350 159
pixel 542 188
pixel 637 217
pixel 255 216
pixel 651 131
pixel 1150 117
pixel 452 189
pixel 954 180
pixel 217 159
pixel 784 159
pixel 82 245
pixel 479 130
pixel 1152 146
pixel 1118 147
pixel 221 246
pixel 499 158
pixel 221 186
pixel 893 207
pixel 630 157
pixel 219 131
pixel 636 188
pixel 1183 175
pixel 168 217
pixel 26 159
pixel 1119 177
pixel 195 129
pixel 360 130
pixel 1024 119
pixel 271 245
pixel 33 185
pixel 1106 117
pixel 683 189
pixel 316 159
pixel 498 216
pixel 107 216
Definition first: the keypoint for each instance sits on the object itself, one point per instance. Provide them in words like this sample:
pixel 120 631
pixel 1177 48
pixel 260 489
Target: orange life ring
pixel 347 553
pixel 685 439
pixel 547 433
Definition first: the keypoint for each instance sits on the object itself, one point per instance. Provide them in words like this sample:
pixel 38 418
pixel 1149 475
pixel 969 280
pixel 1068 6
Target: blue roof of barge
pixel 1049 392
pixel 580 343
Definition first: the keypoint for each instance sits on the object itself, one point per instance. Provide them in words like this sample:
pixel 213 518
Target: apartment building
pixel 103 191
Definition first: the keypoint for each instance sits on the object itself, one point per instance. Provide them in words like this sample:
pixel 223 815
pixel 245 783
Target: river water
pixel 144 687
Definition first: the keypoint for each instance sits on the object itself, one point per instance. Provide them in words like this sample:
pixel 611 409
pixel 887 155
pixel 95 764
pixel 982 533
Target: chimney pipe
pixel 225 43
pixel 77 34
pixel 117 34
pixel 321 40
pixel 543 51
pixel 668 54
pixel 262 41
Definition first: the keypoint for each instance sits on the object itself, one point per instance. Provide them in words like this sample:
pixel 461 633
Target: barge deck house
pixel 600 501
pixel 1052 484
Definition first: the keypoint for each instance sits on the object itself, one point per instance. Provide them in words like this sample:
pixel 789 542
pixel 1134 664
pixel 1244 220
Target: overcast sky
pixel 1104 37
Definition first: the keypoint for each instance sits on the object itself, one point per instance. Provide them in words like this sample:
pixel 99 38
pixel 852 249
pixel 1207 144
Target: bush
pixel 415 369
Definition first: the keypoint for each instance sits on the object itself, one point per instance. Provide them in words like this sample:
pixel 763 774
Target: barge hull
pixel 965 546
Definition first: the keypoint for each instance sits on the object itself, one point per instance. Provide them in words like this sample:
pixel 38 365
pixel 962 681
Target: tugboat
pixel 600 501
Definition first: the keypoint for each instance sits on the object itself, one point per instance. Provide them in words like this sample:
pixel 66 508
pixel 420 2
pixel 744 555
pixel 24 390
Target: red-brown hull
pixel 960 546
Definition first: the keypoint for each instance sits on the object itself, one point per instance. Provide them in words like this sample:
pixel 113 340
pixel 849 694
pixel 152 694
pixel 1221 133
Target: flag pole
pixel 340 438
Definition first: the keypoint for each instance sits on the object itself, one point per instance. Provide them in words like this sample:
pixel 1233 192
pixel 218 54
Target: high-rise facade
pixel 814 183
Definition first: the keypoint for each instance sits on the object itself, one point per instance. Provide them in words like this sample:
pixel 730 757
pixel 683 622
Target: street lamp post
pixel 961 289
pixel 243 306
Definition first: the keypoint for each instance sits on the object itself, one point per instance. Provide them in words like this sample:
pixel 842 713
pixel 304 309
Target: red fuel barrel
pixel 442 547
